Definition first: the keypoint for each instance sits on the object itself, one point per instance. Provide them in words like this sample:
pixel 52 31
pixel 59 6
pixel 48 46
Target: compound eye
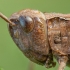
pixel 26 23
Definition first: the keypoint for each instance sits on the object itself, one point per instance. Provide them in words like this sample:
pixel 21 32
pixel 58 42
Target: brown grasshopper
pixel 41 36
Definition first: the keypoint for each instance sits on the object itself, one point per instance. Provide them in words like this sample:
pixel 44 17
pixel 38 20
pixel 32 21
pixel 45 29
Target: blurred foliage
pixel 1 69
pixel 11 58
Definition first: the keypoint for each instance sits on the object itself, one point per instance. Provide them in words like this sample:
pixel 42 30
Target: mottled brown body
pixel 59 35
pixel 40 36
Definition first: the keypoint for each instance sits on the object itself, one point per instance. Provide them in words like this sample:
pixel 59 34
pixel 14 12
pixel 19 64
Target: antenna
pixel 6 19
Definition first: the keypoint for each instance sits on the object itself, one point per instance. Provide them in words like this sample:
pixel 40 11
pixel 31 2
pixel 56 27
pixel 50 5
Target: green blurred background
pixel 11 58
